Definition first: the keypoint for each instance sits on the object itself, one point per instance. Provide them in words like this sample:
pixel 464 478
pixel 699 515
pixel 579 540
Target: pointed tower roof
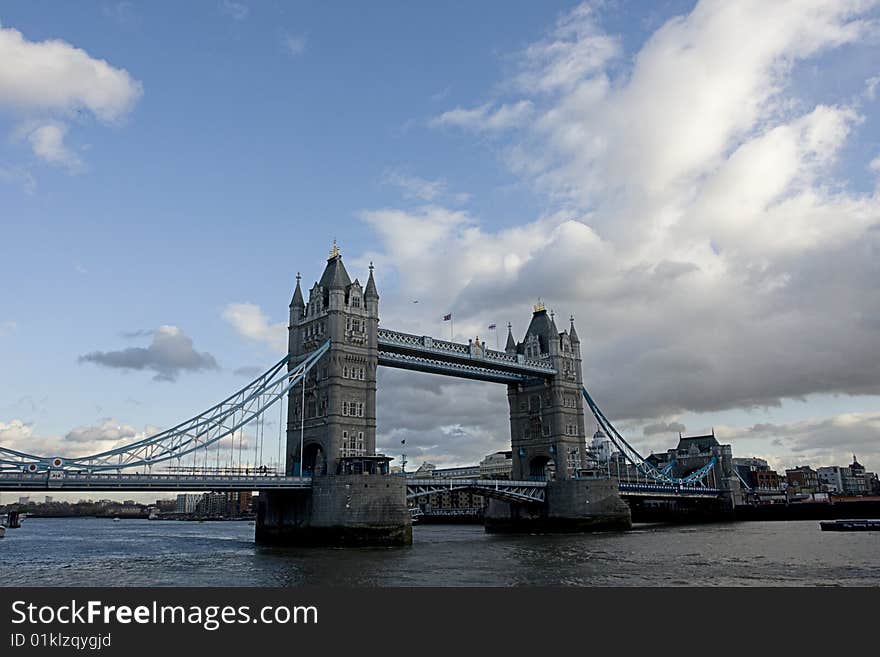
pixel 543 327
pixel 511 343
pixel 370 292
pixel 334 275
pixel 297 299
pixel 572 334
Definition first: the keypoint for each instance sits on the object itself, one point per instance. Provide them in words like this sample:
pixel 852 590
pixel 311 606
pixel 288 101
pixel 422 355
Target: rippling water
pixel 99 552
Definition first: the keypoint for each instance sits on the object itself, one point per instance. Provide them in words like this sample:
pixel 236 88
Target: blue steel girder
pixel 437 366
pixel 502 489
pixel 646 468
pixel 196 433
pixel 427 354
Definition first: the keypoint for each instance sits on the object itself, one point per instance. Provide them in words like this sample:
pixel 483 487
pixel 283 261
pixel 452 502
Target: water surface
pixel 99 552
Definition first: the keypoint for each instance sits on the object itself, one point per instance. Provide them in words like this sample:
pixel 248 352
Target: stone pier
pixel 572 505
pixel 339 510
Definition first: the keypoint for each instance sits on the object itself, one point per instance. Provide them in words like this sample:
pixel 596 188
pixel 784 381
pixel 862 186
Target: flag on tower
pixel 492 327
pixel 447 318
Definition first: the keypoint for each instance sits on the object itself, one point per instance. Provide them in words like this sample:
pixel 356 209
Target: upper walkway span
pixel 470 361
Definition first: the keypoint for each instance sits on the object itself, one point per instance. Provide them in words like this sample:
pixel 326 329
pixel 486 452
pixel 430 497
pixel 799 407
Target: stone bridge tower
pixel 547 416
pixel 340 393
pixel 353 500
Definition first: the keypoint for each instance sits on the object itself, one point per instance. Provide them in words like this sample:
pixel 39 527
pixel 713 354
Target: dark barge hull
pixel 850 526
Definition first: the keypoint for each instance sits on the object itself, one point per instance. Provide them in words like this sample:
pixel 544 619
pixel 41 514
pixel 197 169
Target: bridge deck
pixel 503 489
pixel 23 481
pixel 661 491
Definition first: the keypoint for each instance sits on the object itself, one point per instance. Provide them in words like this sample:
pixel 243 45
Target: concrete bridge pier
pixel 572 505
pixel 339 510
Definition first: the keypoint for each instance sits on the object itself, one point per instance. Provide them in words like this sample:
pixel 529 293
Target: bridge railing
pixel 483 483
pixel 427 344
pixel 105 481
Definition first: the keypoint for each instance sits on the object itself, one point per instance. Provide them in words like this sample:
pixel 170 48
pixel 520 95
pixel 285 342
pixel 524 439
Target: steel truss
pixel 196 433
pixel 502 489
pixel 424 353
pixel 439 366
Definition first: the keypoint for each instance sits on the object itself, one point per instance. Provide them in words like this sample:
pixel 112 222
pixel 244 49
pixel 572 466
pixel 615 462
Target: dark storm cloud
pixel 139 333
pixel 444 420
pixel 170 352
pixel 663 427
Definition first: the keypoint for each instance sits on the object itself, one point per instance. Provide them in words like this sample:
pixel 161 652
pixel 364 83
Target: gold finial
pixel 334 252
pixel 540 307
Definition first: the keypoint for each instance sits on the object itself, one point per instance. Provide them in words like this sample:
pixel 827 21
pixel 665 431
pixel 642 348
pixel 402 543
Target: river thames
pixel 100 552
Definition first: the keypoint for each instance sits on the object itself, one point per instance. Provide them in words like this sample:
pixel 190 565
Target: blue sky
pixel 695 182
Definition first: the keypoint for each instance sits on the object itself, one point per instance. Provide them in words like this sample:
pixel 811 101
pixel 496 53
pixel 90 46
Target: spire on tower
pixel 334 276
pixel 510 347
pixel 370 291
pixel 297 299
pixel 572 334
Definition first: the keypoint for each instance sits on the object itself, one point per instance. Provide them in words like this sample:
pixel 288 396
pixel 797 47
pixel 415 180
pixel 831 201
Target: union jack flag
pixel 447 318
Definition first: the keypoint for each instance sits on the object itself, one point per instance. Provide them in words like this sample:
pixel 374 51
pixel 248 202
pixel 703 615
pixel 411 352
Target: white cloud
pixel 251 322
pixel 294 44
pixel 18 176
pixel 413 186
pixel 47 142
pixel 53 75
pixel 109 433
pixel 124 13
pixel 421 189
pixel 48 81
pixel 486 117
pixel 576 49
pixel 238 11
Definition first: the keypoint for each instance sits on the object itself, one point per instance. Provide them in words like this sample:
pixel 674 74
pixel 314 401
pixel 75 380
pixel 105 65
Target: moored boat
pixel 850 525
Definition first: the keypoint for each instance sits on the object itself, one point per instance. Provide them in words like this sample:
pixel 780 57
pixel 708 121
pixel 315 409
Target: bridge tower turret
pixel 340 393
pixel 546 415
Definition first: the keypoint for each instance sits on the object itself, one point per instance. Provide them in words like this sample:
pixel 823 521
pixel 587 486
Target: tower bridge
pixel 335 488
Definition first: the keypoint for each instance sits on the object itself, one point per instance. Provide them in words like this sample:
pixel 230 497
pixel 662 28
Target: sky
pixel 695 182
